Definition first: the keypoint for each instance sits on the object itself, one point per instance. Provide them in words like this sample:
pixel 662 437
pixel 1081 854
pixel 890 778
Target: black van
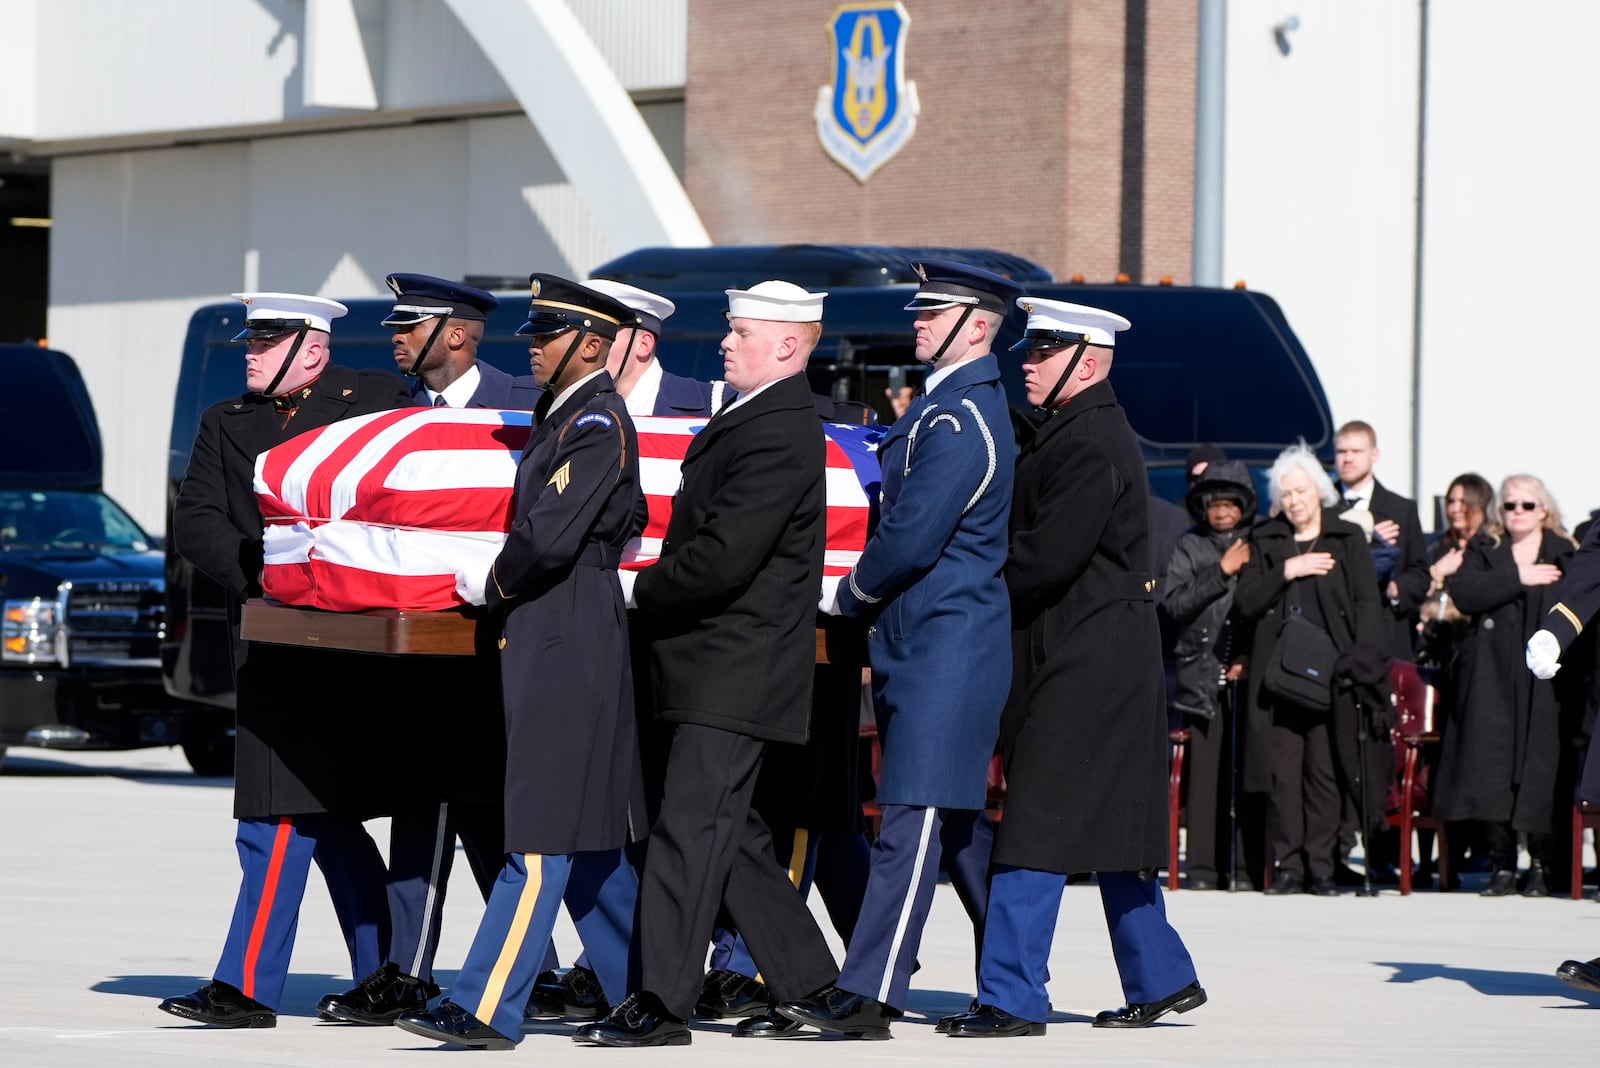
pixel 82 585
pixel 1199 365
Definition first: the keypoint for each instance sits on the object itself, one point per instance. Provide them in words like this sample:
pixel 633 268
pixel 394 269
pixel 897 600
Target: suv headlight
pixel 32 632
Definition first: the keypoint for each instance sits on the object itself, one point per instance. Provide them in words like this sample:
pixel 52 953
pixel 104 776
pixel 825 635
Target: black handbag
pixel 1300 670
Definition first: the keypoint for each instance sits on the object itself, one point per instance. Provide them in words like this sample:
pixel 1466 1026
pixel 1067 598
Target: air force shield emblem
pixel 870 110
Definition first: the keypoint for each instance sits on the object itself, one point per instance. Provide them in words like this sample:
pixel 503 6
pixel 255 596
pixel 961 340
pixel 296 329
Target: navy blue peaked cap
pixel 419 297
pixel 946 284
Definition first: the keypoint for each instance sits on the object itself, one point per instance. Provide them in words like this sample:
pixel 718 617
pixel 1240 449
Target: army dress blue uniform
pixel 930 583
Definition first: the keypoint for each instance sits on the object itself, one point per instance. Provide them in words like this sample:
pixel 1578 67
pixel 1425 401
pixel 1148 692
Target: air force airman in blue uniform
pixel 573 792
pixel 1084 735
pixel 930 584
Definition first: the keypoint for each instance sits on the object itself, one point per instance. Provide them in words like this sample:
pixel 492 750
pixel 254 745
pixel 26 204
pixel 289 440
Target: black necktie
pixel 440 402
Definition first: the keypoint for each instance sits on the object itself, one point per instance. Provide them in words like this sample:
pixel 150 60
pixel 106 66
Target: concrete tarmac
pixel 118 875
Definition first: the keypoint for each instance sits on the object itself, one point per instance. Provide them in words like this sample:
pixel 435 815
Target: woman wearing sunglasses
pixel 1502 746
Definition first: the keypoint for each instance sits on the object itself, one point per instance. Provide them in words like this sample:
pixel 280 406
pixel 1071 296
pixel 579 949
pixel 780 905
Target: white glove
pixel 628 578
pixel 828 603
pixel 470 587
pixel 1544 654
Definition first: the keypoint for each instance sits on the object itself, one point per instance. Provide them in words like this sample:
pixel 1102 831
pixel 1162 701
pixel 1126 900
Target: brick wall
pixel 1019 145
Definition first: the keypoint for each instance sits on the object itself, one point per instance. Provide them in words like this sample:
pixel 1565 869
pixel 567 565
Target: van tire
pixel 211 756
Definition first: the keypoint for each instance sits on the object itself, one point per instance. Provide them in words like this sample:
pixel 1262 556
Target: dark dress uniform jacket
pixel 573 782
pixel 1578 601
pixel 1084 735
pixel 496 389
pixel 681 396
pixel 1348 598
pixel 303 746
pixel 572 749
pixel 930 583
pixel 731 605
pixel 1501 750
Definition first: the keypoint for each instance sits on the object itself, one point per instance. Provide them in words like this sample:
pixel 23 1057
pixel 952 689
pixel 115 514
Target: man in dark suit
pixel 929 583
pixel 1399 550
pixel 573 792
pixel 303 778
pixel 450 786
pixel 649 388
pixel 731 611
pixel 1084 736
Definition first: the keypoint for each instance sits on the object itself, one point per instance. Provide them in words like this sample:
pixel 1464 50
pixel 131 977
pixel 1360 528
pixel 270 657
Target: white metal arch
pixel 581 111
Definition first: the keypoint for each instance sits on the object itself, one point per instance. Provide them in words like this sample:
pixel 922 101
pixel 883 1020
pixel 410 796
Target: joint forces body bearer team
pixel 650 760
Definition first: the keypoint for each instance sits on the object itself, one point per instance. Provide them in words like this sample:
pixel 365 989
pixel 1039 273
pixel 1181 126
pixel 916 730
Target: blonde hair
pixel 1495 523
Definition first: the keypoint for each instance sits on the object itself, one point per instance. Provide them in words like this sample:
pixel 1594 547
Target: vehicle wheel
pixel 210 756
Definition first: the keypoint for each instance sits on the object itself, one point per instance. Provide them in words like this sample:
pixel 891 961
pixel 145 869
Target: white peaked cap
pixel 775 301
pixel 318 311
pixel 652 307
pixel 1055 323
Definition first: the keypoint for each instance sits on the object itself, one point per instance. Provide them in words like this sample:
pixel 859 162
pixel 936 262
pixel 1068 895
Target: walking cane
pixel 1233 786
pixel 1367 889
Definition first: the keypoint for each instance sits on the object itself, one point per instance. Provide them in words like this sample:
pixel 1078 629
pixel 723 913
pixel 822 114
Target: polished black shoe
pixel 1585 976
pixel 1285 882
pixel 1324 888
pixel 1501 884
pixel 220 1005
pixel 544 1000
pixel 1190 997
pixel 943 1026
pixel 838 1010
pixel 768 1025
pixel 986 1021
pixel 455 1025
pixel 1202 882
pixel 379 998
pixel 641 1020
pixel 729 994
pixel 577 994
pixel 1533 884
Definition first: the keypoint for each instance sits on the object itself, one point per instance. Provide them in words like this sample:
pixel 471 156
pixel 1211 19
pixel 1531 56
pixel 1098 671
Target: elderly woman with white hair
pixel 1311 591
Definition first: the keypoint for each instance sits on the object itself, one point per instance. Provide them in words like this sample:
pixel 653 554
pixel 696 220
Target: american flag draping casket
pixel 407 509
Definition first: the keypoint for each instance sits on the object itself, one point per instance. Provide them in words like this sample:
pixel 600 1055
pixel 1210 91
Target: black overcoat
pixel 1084 733
pixel 573 780
pixel 1348 598
pixel 1501 749
pixel 302 745
pixel 730 608
pixel 1398 617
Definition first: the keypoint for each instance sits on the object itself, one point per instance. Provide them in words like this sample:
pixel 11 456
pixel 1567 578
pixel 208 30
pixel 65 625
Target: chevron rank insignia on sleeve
pixel 562 476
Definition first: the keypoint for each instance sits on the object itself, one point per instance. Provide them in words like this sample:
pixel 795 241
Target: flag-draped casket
pixel 407 509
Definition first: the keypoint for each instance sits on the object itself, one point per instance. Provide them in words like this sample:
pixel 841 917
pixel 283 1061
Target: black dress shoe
pixel 578 995
pixel 1501 884
pixel 838 1010
pixel 729 994
pixel 455 1025
pixel 1202 882
pixel 989 1022
pixel 1285 882
pixel 220 1005
pixel 544 1000
pixel 768 1025
pixel 1585 976
pixel 641 1020
pixel 379 998
pixel 1324 888
pixel 1190 997
pixel 1533 884
pixel 943 1026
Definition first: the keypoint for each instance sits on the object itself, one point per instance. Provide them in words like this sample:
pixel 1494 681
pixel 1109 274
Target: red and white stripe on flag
pixel 386 510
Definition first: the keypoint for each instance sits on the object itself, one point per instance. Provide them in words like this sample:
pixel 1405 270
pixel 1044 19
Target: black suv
pixel 82 585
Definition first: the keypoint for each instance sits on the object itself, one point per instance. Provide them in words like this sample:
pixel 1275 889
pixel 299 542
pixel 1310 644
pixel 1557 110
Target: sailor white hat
pixel 652 307
pixel 1054 324
pixel 275 314
pixel 775 301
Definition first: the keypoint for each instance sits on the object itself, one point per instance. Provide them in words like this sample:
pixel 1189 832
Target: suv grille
pixel 116 624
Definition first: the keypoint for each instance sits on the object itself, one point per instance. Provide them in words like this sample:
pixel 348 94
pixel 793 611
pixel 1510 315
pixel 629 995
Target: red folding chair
pixel 1408 801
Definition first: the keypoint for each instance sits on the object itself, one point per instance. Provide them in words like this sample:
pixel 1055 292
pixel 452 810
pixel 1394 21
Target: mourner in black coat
pixel 1301 755
pixel 1084 733
pixel 730 610
pixel 573 792
pixel 304 769
pixel 1503 748
pixel 1399 549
